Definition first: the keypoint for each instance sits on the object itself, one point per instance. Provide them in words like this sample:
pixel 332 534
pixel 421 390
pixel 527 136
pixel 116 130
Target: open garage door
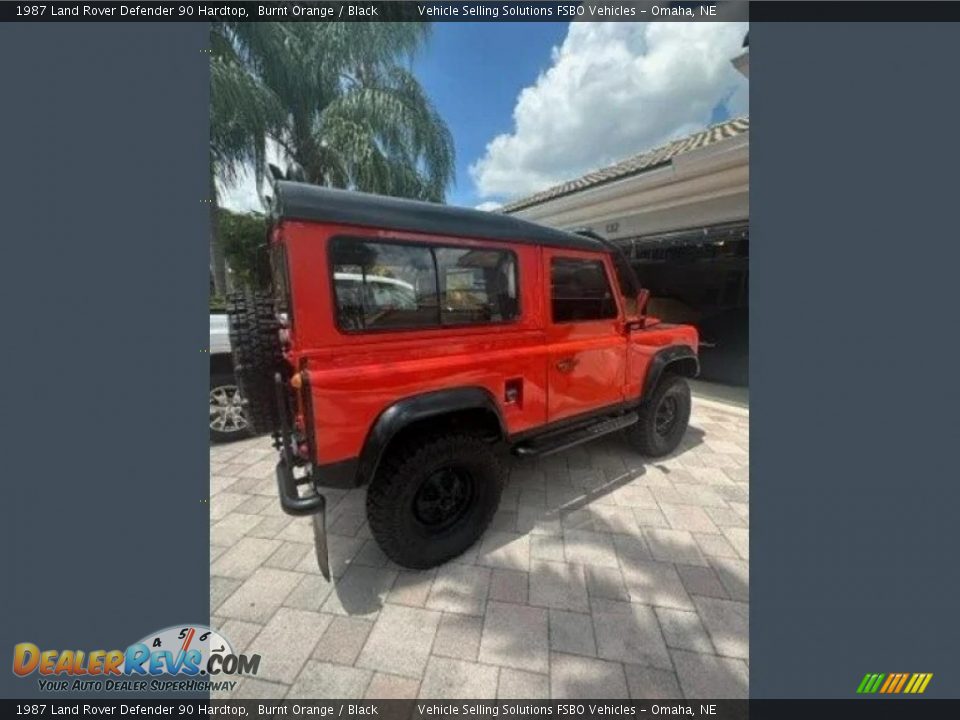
pixel 700 276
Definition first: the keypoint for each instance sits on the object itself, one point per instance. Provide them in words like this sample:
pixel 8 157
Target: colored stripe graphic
pixel 897 684
pixel 903 680
pixel 894 683
pixel 870 683
pixel 890 686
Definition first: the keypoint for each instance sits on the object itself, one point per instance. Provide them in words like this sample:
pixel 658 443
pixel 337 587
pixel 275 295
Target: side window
pixel 477 286
pixel 383 285
pixel 400 286
pixel 579 290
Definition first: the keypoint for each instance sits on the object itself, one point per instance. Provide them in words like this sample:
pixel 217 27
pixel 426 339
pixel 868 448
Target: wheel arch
pixel 680 359
pixel 472 407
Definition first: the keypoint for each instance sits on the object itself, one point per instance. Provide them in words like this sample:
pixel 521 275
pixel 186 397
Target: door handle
pixel 567 364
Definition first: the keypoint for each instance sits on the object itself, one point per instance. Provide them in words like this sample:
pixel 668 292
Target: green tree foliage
pixel 337 99
pixel 243 236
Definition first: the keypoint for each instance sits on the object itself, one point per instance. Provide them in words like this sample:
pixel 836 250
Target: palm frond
pixel 338 99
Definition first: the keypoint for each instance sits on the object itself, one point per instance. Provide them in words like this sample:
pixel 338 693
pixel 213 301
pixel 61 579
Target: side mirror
pixel 643 297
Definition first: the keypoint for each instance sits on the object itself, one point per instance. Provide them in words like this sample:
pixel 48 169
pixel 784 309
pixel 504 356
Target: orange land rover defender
pixel 409 346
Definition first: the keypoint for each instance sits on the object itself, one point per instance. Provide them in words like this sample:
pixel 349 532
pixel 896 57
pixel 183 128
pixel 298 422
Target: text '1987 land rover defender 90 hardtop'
pixel 410 346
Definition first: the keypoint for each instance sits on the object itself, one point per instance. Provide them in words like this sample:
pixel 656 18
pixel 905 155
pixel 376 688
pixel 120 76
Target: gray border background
pixel 104 293
pixel 855 432
pixel 854 255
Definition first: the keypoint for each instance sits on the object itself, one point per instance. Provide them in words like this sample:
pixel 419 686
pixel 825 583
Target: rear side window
pixel 579 290
pixel 383 285
pixel 476 286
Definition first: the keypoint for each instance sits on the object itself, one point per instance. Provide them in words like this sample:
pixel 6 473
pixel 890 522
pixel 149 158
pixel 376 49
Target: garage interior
pixel 701 277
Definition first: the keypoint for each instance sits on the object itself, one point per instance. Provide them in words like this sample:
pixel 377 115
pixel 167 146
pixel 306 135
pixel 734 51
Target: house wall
pixel 703 213
pixel 703 187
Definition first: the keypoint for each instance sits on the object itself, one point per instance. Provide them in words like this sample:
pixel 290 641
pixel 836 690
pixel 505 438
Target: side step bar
pixel 555 442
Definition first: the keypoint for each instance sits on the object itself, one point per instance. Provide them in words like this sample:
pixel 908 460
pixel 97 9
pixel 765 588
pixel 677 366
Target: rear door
pixel 587 346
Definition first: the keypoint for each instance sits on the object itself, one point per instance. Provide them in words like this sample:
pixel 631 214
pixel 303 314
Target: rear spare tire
pixel 433 499
pixel 257 356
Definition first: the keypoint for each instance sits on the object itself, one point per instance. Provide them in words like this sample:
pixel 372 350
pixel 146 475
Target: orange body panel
pixel 354 377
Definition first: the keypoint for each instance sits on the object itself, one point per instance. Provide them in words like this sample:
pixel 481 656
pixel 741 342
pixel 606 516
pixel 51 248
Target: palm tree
pixel 240 115
pixel 337 100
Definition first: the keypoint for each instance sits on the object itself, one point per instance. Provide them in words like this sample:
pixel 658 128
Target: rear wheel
pixel 431 501
pixel 257 357
pixel 664 417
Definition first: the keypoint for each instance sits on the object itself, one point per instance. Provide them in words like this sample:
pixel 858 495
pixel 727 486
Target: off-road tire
pixel 392 492
pixel 257 356
pixel 644 435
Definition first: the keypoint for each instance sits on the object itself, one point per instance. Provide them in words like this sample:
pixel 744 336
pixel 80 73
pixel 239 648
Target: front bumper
pixel 311 503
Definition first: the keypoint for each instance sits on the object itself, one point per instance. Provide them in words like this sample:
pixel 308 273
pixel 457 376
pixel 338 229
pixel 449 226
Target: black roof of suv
pixel 300 201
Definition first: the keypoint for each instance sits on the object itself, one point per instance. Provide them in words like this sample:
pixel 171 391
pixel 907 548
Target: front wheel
pixel 432 500
pixel 664 417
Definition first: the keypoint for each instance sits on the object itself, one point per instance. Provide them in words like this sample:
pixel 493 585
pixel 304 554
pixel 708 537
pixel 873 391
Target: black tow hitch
pixel 291 501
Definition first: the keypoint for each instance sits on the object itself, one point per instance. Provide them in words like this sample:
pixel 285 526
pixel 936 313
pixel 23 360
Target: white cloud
pixel 489 206
pixel 614 89
pixel 240 196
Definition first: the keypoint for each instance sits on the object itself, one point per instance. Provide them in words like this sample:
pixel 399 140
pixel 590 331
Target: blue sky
pixel 534 104
pixel 473 72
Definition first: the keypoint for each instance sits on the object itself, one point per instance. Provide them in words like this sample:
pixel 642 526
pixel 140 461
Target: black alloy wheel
pixel 666 415
pixel 432 497
pixel 443 498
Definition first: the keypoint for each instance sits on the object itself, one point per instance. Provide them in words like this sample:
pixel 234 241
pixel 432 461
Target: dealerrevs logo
pixel 193 653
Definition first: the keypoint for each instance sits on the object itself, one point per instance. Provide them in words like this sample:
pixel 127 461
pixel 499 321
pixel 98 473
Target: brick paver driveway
pixel 603 575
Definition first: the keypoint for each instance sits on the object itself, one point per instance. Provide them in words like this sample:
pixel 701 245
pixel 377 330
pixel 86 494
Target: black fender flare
pixel 420 407
pixel 681 357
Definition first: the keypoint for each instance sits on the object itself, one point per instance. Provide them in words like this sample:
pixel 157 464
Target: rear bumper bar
pixel 290 499
pixel 288 485
pixel 312 503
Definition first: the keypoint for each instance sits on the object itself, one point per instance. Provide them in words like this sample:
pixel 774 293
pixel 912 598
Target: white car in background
pixel 227 418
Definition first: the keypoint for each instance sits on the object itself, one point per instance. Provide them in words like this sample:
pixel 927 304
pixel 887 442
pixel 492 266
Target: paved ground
pixel 602 576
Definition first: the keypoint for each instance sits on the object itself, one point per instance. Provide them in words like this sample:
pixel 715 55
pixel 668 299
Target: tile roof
pixel 637 164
